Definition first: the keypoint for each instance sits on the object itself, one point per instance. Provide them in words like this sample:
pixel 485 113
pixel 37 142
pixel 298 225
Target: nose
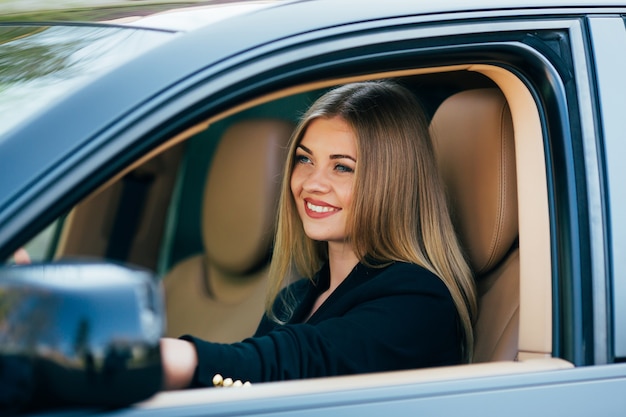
pixel 316 181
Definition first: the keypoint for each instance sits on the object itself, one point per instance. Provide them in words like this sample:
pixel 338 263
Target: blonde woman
pixel 363 219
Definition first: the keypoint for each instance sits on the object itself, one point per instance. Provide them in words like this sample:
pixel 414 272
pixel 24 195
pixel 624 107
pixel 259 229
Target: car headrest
pixel 241 195
pixel 474 143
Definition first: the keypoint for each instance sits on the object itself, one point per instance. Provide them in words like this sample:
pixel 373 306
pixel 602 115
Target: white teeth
pixel 320 209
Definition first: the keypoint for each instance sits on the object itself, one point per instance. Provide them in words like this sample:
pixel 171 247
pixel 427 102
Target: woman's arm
pixel 382 334
pixel 404 318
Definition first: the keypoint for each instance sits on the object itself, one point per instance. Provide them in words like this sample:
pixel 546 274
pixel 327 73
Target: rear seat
pixel 219 295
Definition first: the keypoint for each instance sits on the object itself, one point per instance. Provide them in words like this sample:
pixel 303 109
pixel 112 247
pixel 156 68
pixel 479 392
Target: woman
pixel 363 217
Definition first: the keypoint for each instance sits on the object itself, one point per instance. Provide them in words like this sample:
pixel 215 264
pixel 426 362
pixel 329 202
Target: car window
pixel 41 247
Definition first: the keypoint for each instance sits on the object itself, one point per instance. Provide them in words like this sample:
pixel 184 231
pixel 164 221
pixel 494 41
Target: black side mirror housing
pixel 80 334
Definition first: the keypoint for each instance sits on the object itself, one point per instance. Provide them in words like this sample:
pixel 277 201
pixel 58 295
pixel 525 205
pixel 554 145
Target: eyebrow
pixel 334 156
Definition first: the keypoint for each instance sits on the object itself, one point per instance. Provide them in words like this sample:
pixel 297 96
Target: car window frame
pixel 608 35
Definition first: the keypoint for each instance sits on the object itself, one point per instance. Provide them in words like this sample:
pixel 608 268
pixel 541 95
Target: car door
pixel 544 62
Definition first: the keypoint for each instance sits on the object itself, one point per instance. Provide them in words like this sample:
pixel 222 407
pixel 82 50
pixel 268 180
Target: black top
pixel 378 319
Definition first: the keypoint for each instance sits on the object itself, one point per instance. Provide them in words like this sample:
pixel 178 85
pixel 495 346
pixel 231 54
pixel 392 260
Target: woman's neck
pixel 341 261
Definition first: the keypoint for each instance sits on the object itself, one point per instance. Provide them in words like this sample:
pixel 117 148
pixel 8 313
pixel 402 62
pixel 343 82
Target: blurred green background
pixel 87 10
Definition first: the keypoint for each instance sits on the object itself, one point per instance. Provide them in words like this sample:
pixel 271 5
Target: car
pixel 152 141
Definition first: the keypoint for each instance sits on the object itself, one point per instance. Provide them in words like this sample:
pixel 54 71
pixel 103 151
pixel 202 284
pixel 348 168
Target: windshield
pixel 41 64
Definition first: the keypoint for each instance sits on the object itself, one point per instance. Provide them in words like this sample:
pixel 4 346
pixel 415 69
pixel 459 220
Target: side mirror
pixel 78 334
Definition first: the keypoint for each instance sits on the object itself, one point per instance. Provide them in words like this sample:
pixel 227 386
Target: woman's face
pixel 323 177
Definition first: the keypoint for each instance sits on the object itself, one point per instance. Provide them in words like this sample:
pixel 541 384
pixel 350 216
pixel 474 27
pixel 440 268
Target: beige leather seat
pixel 219 295
pixel 474 142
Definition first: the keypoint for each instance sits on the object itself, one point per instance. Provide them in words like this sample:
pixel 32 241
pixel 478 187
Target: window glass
pixel 41 248
pixel 42 245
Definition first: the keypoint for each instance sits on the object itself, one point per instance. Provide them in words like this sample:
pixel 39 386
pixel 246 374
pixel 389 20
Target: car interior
pixel 200 213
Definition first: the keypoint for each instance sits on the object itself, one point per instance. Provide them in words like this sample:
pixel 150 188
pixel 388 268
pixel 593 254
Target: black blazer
pixel 378 319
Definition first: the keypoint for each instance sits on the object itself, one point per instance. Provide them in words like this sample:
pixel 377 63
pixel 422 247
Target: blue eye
pixel 343 168
pixel 302 159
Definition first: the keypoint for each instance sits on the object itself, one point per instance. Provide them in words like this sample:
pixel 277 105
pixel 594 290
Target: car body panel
pixel 576 392
pixel 73 57
pixel 608 37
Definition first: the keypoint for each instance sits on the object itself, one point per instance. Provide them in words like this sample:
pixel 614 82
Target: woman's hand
pixel 179 359
pixel 21 257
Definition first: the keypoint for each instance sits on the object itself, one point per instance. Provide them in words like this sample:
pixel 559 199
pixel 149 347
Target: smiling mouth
pixel 320 209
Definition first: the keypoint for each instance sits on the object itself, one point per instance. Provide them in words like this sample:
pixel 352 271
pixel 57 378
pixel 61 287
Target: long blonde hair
pixel 399 208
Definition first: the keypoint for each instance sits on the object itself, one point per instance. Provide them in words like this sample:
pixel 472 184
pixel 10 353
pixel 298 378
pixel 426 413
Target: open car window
pixel 154 214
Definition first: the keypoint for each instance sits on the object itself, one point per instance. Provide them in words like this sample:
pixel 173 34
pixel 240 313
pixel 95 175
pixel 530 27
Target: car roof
pixel 177 15
pixel 189 18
